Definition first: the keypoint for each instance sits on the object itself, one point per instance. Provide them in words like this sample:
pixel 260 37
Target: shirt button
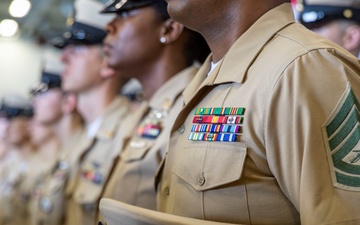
pixel 182 129
pixel 201 180
pixel 167 191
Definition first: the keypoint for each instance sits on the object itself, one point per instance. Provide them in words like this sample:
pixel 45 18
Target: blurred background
pixel 26 26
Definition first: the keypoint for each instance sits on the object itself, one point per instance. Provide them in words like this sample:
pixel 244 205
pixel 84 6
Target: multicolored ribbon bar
pixel 93 176
pixel 216 128
pixel 212 137
pixel 220 111
pixel 218 119
pixel 149 131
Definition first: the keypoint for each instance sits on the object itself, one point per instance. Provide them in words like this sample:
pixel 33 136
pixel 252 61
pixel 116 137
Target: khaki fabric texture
pixel 12 176
pixel 53 188
pixel 132 181
pixel 290 82
pixel 8 180
pixel 84 191
pixel 38 166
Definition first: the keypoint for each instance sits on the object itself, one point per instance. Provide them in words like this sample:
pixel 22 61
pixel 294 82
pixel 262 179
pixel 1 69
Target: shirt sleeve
pixel 312 136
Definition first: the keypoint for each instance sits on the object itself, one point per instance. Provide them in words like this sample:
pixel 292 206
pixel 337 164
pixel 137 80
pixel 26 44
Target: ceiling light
pixel 8 28
pixel 19 8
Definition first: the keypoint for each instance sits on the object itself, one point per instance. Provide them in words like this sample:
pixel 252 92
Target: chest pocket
pixel 136 150
pixel 94 174
pixel 208 165
pixel 56 182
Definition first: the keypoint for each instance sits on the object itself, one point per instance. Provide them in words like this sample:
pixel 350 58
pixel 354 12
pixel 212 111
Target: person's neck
pixel 92 104
pixel 24 148
pixel 221 42
pixel 49 147
pixel 223 32
pixel 152 79
pixel 67 126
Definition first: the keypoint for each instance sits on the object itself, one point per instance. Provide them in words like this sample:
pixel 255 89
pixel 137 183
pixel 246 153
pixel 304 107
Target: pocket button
pixel 182 129
pixel 201 180
pixel 167 191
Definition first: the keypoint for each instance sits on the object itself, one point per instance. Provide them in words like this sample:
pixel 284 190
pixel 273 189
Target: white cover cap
pixel 88 12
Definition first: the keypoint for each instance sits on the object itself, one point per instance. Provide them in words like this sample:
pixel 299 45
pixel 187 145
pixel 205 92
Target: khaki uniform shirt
pixel 296 154
pixel 133 178
pixel 14 168
pixel 47 205
pixel 8 158
pixel 96 165
pixel 38 165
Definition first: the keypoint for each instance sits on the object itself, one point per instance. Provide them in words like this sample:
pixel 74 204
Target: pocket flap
pixel 208 165
pixel 136 150
pixel 54 185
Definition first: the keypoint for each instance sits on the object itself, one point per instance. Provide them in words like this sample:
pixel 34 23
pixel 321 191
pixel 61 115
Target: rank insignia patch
pixel 342 132
pixel 217 124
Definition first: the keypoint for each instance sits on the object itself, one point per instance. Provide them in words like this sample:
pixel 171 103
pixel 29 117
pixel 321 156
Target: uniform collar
pixel 235 64
pixel 246 49
pixel 172 88
pixel 198 79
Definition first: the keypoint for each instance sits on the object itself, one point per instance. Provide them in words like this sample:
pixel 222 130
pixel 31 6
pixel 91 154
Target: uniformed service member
pixel 3 145
pixel 57 109
pixel 269 133
pixel 337 20
pixel 160 53
pixel 46 147
pixel 103 110
pixel 17 111
pixel 4 150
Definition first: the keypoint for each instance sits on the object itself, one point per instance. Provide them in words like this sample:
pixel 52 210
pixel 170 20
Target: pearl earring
pixel 163 40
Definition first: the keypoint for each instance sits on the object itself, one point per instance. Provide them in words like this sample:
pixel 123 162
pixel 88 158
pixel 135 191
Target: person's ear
pixel 170 31
pixel 352 38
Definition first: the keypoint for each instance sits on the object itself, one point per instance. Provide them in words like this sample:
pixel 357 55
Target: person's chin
pixel 112 62
pixel 67 88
